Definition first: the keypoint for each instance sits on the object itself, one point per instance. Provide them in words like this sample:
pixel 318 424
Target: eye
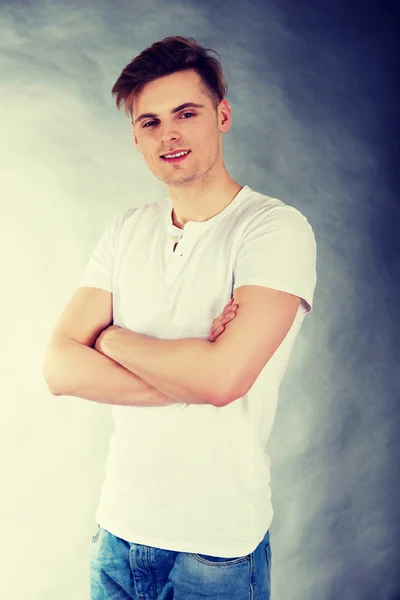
pixel 150 123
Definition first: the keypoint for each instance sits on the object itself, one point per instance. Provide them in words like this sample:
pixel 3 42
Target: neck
pixel 201 201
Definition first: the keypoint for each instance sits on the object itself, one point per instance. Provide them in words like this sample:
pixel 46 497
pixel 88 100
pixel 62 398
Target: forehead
pixel 163 94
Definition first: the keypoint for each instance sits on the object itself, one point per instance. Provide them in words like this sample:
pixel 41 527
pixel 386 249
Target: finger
pixel 222 319
pixel 213 330
pixel 211 337
pixel 229 317
pixel 216 323
pixel 228 306
pixel 231 311
pixel 232 306
pixel 218 332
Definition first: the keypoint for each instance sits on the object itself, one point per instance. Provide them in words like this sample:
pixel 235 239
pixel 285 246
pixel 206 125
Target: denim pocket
pixel 205 558
pixel 96 535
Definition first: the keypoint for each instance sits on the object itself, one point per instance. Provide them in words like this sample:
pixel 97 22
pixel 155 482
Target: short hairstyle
pixel 170 55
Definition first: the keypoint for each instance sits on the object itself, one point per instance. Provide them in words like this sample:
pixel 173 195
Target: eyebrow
pixel 174 110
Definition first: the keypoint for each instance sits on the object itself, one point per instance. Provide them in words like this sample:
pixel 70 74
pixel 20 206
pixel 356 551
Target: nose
pixel 169 135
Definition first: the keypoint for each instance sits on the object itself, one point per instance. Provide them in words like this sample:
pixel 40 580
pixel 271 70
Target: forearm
pixel 77 370
pixel 184 369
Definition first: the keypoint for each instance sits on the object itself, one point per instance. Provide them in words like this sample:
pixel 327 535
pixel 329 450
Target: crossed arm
pixel 197 371
pixel 184 369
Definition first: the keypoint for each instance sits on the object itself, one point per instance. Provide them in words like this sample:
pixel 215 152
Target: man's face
pixel 197 129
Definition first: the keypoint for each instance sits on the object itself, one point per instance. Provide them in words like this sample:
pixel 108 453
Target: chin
pixel 181 180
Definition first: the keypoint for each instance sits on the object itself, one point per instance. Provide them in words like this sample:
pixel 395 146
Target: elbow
pixel 221 391
pixel 53 391
pixel 51 369
pixel 50 383
pixel 219 377
pixel 237 390
pixel 51 387
pixel 220 397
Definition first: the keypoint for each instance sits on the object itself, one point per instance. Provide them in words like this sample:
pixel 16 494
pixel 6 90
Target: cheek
pixel 147 145
pixel 207 136
pixel 149 152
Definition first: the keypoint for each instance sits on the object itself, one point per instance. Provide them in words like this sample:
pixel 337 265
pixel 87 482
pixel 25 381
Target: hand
pixel 218 325
pixel 99 345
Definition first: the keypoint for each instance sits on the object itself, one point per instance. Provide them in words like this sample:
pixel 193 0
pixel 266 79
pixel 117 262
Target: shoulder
pixel 139 216
pixel 269 214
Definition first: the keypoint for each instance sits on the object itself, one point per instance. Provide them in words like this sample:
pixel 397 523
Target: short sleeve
pixel 99 269
pixel 278 250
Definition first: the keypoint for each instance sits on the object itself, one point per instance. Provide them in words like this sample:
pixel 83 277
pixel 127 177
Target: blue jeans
pixel 121 570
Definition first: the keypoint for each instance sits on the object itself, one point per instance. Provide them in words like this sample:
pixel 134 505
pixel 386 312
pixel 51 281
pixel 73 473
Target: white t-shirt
pixel 187 477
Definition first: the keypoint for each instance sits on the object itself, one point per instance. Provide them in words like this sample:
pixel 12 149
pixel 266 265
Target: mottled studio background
pixel 311 85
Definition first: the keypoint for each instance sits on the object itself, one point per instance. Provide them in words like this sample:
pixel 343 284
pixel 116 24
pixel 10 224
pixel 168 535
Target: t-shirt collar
pixel 201 225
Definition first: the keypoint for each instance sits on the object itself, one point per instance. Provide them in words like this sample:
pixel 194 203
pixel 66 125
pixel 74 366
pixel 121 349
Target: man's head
pixel 155 86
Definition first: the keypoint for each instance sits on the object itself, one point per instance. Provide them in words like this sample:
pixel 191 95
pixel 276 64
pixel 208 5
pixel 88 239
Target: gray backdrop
pixel 311 85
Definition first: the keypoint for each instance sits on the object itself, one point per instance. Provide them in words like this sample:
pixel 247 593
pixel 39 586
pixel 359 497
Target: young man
pixel 185 509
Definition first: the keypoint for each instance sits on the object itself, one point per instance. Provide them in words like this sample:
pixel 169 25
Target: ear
pixel 224 115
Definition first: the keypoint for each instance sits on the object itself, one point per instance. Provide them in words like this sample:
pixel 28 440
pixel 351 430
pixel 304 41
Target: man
pixel 185 509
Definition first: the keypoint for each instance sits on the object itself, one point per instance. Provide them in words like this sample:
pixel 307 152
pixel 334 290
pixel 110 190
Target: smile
pixel 178 157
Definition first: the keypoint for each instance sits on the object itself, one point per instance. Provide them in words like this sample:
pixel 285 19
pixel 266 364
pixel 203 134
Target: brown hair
pixel 168 56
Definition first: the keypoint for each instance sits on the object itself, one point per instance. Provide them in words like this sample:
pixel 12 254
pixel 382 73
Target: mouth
pixel 182 155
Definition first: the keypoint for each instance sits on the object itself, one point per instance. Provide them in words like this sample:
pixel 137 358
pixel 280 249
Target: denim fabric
pixel 121 570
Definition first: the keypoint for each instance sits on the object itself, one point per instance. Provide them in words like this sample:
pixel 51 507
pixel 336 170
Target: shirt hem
pixel 219 550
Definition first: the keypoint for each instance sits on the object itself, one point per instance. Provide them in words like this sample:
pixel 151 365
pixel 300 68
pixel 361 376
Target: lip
pixel 176 151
